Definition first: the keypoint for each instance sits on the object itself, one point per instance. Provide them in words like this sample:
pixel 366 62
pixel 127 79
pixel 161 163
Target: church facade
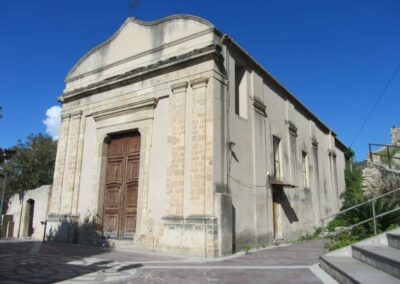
pixel 174 139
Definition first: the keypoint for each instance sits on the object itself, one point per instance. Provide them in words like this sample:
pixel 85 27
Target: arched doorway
pixel 29 211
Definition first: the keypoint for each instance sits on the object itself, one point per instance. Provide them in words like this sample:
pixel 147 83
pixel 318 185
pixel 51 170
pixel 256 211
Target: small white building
pixel 174 139
pixel 28 210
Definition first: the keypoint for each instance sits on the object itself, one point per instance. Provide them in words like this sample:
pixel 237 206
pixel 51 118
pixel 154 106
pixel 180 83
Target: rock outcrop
pixel 378 179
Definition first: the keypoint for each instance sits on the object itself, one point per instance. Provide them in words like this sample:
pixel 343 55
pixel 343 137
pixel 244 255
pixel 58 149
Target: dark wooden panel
pixel 121 188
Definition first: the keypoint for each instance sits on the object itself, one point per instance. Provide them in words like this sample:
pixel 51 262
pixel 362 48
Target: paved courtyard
pixel 34 262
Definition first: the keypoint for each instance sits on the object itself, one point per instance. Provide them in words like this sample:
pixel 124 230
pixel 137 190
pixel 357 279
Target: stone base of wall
pixel 195 235
pixel 62 227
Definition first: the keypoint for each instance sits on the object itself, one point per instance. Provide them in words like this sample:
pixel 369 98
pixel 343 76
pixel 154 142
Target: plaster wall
pixel 250 175
pixel 18 208
pixel 136 45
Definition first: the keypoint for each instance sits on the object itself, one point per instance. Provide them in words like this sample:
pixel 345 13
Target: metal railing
pixel 374 217
pixel 385 152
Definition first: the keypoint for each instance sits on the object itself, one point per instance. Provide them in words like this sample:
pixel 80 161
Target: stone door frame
pixel 142 122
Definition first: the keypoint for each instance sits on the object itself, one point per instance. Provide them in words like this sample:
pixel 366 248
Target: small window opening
pixel 277 158
pixel 240 91
pixel 306 183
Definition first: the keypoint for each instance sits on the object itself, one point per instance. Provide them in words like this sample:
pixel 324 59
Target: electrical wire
pixel 376 104
pixel 251 186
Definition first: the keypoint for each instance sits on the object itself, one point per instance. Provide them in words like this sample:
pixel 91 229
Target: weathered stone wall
pixel 395 135
pixel 378 179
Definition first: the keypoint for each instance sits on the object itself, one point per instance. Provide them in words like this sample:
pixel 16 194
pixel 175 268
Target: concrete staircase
pixel 375 260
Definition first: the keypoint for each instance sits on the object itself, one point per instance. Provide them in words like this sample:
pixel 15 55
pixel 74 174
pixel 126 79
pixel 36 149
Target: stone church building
pixel 174 139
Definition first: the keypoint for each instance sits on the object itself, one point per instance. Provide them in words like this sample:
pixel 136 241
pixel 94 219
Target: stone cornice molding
pixel 332 153
pixel 259 106
pixel 133 57
pixel 211 52
pixel 292 128
pixel 209 27
pixel 120 110
pixel 314 143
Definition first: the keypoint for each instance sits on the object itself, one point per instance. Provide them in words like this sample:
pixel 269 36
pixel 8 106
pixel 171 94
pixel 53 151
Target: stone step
pixel 394 240
pixel 348 270
pixel 386 259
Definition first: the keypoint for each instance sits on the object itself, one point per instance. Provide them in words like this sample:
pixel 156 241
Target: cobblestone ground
pixel 34 262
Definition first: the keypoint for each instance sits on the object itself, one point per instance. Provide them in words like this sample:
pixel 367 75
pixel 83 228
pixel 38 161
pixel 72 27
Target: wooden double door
pixel 121 186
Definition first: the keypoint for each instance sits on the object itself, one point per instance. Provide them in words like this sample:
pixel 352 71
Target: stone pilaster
pixel 70 163
pixel 78 167
pixel 176 151
pixel 199 147
pixel 55 202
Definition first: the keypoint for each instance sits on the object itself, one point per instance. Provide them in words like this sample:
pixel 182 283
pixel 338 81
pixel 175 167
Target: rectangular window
pixel 316 164
pixel 240 91
pixel 304 164
pixel 293 150
pixel 333 171
pixel 277 158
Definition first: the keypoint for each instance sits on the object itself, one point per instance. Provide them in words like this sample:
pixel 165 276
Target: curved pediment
pixel 135 39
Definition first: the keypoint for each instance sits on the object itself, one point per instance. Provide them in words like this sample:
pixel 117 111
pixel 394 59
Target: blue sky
pixel 335 56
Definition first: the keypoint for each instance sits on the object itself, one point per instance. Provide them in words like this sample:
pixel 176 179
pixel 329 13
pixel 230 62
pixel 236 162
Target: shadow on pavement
pixel 52 262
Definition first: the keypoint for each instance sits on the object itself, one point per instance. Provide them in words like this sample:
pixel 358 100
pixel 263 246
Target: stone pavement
pixel 33 262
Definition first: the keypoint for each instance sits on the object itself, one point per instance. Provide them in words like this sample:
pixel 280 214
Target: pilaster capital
pixel 179 87
pixel 199 83
pixel 65 116
pixel 68 116
pixel 77 114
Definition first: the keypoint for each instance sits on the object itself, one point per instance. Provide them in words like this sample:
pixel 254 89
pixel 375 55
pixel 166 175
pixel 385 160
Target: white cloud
pixel 53 121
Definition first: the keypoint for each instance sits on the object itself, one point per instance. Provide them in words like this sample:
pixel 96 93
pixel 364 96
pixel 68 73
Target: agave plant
pixel 365 230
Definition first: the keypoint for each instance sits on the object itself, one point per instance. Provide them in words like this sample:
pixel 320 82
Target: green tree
pixel 353 193
pixel 31 164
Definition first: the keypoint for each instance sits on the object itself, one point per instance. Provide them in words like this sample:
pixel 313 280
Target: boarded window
pixel 277 158
pixel 240 91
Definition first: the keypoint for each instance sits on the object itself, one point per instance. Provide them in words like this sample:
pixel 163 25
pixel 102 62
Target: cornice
pixel 206 23
pixel 332 153
pixel 120 110
pixel 133 57
pixel 211 52
pixel 259 106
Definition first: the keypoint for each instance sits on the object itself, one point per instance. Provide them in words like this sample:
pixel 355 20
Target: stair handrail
pixel 373 218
